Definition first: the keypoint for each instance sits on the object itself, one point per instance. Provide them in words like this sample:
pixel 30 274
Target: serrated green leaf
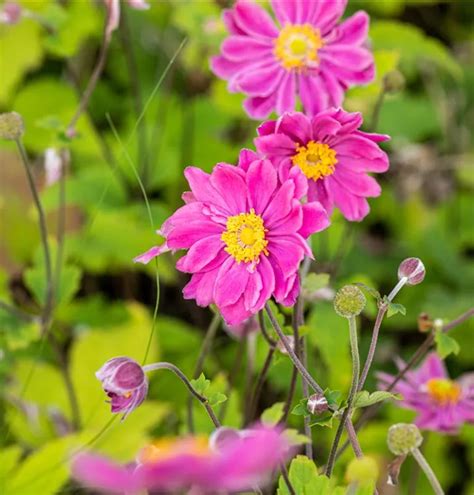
pixel 304 478
pixel 300 409
pixel 445 345
pixel 216 398
pixel 333 397
pixel 273 414
pixel 295 438
pixel 365 398
pixel 394 308
pixel 325 421
pixel 201 384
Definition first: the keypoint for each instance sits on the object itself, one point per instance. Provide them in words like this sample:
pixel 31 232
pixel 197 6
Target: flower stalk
pixel 426 468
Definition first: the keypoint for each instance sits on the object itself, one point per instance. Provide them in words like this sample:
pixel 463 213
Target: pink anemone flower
pixel 245 233
pixel 442 404
pixel 331 153
pixel 240 460
pixel 307 53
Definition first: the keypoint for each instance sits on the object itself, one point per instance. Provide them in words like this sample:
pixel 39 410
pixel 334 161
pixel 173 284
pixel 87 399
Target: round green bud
pixel 403 438
pixel 362 471
pixel 349 301
pixel 11 126
pixel 393 81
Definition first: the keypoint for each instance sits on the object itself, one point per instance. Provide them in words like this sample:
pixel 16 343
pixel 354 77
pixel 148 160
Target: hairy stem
pixel 203 353
pixel 352 392
pixel 286 478
pixel 423 463
pixel 203 400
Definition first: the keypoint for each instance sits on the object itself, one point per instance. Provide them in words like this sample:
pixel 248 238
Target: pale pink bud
pixel 413 270
pixel 317 404
pixel 11 13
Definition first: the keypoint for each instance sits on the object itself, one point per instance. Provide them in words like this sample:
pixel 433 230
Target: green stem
pixel 423 463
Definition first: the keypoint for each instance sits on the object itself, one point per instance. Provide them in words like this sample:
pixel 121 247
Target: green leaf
pixel 273 414
pixel 446 345
pixel 333 397
pixel 394 308
pixel 201 384
pixel 304 478
pixel 216 398
pixel 315 281
pixel 365 398
pixel 325 421
pixel 295 438
pixel 369 290
pixel 300 409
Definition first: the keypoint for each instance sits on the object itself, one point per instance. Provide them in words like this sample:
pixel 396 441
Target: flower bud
pixel 125 383
pixel 11 13
pixel 413 270
pixel 403 438
pixel 349 301
pixel 317 404
pixel 362 471
pixel 221 437
pixel 393 81
pixel 425 323
pixel 11 126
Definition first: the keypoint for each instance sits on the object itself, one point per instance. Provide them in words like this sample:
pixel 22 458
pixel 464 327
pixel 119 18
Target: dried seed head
pixel 362 470
pixel 349 301
pixel 413 270
pixel 403 438
pixel 317 404
pixel 11 126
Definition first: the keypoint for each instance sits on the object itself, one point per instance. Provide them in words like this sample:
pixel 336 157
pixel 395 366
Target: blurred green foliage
pixel 104 305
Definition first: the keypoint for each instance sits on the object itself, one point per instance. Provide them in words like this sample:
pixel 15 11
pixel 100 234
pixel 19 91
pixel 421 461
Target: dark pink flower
pixel 125 383
pixel 443 404
pixel 244 460
pixel 245 233
pixel 332 154
pixel 306 54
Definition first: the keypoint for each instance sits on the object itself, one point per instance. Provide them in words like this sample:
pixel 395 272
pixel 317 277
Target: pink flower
pixel 125 383
pixel 443 404
pixel 241 461
pixel 243 329
pixel 113 12
pixel 10 13
pixel 333 155
pixel 245 234
pixel 306 54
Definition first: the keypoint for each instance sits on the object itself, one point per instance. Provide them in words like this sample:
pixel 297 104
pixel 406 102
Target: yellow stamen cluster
pixel 168 447
pixel 245 237
pixel 443 391
pixel 297 46
pixel 315 160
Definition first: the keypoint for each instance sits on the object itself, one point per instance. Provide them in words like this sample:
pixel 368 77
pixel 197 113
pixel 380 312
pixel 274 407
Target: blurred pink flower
pixel 332 154
pixel 245 232
pixel 243 329
pixel 113 12
pixel 125 383
pixel 53 165
pixel 307 54
pixel 10 13
pixel 242 460
pixel 443 404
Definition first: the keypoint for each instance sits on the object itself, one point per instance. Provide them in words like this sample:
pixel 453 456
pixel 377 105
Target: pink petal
pixel 266 128
pixel 201 254
pixel 280 206
pixel 113 16
pixel 231 282
pixel 353 207
pixel 254 20
pixel 201 287
pixel 246 158
pixel 295 125
pixel 349 57
pixel 151 253
pixel 229 183
pixel 261 184
pixel 354 30
pixel 275 145
pixel 357 183
pixel 234 314
pixel 315 219
pixel 325 126
pixel 312 94
pixel 319 191
pixel 285 11
pixel 267 276
pixel 260 82
pixel 242 48
pixel 260 107
pixel 285 100
pixel 288 252
pixel 329 13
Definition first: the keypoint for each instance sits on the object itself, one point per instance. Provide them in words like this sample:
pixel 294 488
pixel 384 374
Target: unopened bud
pixel 425 323
pixel 317 404
pixel 221 437
pixel 393 81
pixel 403 438
pixel 11 126
pixel 291 341
pixel 413 270
pixel 349 301
pixel 362 471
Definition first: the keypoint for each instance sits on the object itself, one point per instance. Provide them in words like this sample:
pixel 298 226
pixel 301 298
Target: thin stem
pixel 397 288
pixel 205 349
pixel 91 84
pixel 299 365
pixel 249 369
pixel 260 382
pixel 307 420
pixel 203 400
pixel 17 312
pixel 46 313
pixel 297 314
pixel 377 108
pixel 373 344
pixel 354 441
pixel 286 478
pixel 350 399
pixel 263 329
pixel 61 227
pixel 423 463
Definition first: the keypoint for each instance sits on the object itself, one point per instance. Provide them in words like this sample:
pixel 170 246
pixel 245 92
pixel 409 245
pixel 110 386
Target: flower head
pixel 413 270
pixel 403 438
pixel 245 233
pixel 332 155
pixel 125 383
pixel 11 126
pixel 349 301
pixel 238 461
pixel 306 53
pixel 443 404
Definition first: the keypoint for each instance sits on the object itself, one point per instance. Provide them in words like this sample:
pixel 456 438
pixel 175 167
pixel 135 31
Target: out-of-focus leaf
pixel 365 398
pixel 294 437
pixel 273 414
pixel 305 479
pixel 446 345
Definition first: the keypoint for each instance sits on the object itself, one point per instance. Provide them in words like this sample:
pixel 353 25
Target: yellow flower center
pixel 169 447
pixel 245 237
pixel 315 160
pixel 297 46
pixel 443 391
